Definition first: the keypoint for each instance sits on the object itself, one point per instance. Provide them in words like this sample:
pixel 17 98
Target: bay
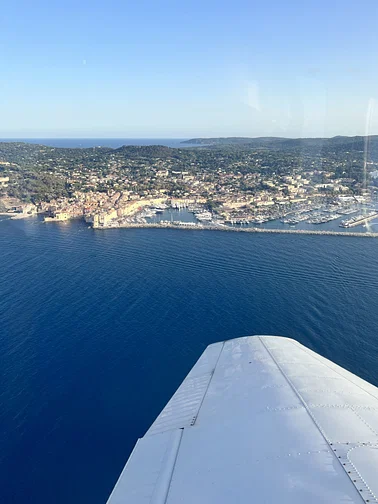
pixel 98 328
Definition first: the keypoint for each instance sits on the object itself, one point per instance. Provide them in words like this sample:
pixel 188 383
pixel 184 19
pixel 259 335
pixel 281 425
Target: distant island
pixel 223 181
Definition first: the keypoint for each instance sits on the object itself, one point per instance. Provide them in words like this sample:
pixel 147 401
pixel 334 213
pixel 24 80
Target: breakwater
pixel 199 227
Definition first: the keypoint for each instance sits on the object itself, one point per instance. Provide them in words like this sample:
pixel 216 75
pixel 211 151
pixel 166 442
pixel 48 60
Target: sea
pixel 100 142
pixel 99 327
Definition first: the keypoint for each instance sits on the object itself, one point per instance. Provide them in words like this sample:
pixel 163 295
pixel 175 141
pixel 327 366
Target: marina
pixel 327 220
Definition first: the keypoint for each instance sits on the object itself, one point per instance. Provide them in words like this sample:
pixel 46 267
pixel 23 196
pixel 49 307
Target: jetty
pixel 360 219
pixel 202 227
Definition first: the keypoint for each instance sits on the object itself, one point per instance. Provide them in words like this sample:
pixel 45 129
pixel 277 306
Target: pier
pixel 362 220
pixel 200 227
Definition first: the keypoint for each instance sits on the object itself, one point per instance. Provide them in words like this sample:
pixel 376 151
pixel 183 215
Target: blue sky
pixel 183 69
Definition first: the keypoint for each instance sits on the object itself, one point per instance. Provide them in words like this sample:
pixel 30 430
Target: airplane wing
pixel 259 419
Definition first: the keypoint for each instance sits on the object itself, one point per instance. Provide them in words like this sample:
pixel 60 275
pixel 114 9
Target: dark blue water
pixel 100 142
pixel 98 328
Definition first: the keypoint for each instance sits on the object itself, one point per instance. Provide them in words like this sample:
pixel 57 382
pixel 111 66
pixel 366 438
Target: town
pixel 220 184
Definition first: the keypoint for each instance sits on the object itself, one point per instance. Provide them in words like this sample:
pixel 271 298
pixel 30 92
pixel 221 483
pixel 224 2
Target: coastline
pixel 16 216
pixel 238 230
pixel 200 227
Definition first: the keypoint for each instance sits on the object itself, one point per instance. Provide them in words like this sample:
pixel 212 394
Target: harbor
pixel 319 219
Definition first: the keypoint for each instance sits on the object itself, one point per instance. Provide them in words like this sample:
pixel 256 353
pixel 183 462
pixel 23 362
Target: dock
pixel 362 220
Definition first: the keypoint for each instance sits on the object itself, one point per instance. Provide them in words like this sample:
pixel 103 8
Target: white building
pixel 4 181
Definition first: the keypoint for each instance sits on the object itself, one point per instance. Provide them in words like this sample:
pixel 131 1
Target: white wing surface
pixel 259 419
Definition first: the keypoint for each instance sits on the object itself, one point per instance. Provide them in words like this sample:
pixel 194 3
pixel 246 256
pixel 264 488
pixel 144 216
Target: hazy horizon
pixel 15 138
